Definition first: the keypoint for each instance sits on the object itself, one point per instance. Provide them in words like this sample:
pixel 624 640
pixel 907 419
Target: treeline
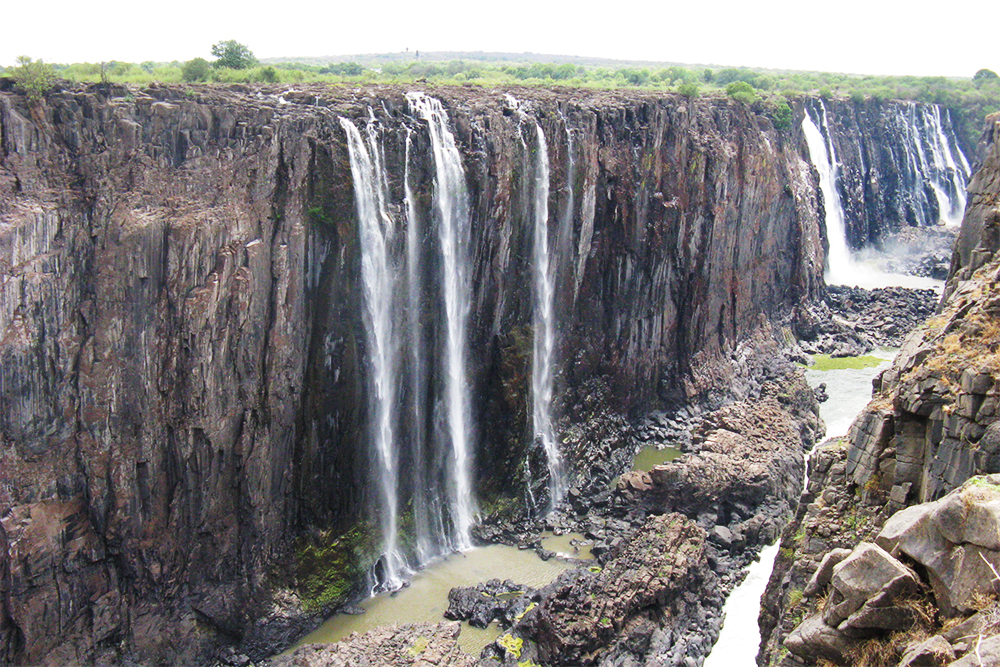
pixel 970 99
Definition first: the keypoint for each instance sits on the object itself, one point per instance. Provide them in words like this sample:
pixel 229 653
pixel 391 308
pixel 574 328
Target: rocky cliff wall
pixel 931 426
pixel 182 388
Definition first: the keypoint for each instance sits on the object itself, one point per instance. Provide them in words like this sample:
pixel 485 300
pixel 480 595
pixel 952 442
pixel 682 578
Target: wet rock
pixel 483 603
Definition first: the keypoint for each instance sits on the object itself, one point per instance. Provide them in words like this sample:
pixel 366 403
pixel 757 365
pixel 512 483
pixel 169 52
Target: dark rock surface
pixel 851 321
pixel 480 605
pixel 183 361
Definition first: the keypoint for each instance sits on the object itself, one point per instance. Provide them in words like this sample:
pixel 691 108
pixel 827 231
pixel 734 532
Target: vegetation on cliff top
pixel 972 99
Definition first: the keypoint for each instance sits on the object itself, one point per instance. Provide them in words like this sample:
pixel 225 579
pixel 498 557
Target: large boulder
pixel 813 639
pixel 957 540
pixel 870 578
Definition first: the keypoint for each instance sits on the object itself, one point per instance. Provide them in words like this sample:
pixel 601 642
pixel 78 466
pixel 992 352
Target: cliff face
pixel 183 387
pixel 931 426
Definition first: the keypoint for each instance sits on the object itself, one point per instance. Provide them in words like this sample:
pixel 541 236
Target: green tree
pixel 233 55
pixel 34 78
pixel 196 70
pixel 984 76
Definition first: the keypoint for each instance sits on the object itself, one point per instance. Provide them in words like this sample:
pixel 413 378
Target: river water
pixel 849 391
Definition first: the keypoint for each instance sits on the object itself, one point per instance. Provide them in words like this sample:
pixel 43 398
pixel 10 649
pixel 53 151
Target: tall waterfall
pixel 824 157
pixel 542 358
pixel 451 204
pixel 924 187
pixel 376 228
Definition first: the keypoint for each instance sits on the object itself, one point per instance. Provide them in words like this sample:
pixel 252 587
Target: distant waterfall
pixel 451 204
pixel 824 157
pixel 934 158
pixel 542 358
pixel 375 230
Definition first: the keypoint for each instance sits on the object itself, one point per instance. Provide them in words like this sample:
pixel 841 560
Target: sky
pixel 853 36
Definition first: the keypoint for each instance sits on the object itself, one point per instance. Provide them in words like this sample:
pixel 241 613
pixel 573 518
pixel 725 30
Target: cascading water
pixel 931 146
pixel 451 204
pixel 376 227
pixel 542 360
pixel 823 156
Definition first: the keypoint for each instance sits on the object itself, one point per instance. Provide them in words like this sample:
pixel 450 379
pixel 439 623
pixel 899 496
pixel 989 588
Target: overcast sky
pixel 857 36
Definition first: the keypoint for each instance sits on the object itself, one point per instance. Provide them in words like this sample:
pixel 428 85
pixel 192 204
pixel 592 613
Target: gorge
pixel 267 349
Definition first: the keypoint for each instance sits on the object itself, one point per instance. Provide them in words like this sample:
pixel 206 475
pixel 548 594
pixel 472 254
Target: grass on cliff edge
pixel 824 362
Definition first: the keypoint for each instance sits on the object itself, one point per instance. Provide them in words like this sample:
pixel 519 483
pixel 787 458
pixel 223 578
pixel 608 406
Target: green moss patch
pixel 328 568
pixel 824 362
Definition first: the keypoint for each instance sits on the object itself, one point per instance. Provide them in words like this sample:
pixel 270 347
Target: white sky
pixel 858 36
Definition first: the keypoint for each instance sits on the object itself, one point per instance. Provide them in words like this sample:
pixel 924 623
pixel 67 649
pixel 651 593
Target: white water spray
pixel 451 203
pixel 375 228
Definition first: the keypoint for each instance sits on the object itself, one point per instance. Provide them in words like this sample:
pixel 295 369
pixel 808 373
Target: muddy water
pixel 426 598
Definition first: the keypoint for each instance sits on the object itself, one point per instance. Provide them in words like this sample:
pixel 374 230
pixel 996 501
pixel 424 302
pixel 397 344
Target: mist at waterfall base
pixel 934 163
pixel 849 391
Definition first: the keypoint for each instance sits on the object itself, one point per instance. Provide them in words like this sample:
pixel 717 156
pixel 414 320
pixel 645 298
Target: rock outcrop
pixel 417 645
pixel 928 432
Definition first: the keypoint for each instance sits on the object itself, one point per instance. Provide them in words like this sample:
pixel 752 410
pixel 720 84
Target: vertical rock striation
pixel 184 406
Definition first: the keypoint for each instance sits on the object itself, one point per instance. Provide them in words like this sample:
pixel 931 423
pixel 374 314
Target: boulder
pixel 972 514
pixel 986 654
pixel 814 639
pixel 821 578
pixel 934 652
pixel 957 540
pixel 869 572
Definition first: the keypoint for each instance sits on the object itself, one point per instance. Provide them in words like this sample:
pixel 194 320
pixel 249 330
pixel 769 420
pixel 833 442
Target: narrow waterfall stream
pixel 543 320
pixel 451 205
pixel 376 227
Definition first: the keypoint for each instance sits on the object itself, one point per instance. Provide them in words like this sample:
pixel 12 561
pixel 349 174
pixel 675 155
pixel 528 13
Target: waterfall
pixel 946 176
pixel 542 358
pixel 451 205
pixel 375 229
pixel 824 157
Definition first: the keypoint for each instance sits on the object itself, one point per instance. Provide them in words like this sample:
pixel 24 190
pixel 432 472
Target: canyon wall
pixel 931 426
pixel 184 406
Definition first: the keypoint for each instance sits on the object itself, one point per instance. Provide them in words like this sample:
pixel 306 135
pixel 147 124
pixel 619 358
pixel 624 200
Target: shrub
pixel 741 91
pixel 781 115
pixel 268 74
pixel 688 89
pixel 33 78
pixel 196 70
